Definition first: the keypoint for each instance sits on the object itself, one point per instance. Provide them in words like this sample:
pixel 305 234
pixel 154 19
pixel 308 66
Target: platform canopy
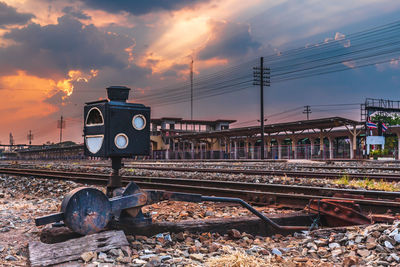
pixel 287 127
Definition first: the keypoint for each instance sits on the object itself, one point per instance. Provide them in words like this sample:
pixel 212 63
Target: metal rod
pixel 255 212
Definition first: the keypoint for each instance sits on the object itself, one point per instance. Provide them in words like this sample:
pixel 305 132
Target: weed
pixel 367 183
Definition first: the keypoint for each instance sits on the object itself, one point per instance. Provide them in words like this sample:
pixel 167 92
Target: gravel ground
pixel 24 198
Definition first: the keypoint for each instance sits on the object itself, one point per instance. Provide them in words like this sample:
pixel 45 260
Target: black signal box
pixel 115 128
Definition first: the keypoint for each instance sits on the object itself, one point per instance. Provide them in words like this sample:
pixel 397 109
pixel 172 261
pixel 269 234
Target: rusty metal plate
pixel 86 210
pixel 339 213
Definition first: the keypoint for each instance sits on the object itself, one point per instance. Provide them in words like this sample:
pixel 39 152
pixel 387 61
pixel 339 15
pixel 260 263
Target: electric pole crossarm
pixel 262 78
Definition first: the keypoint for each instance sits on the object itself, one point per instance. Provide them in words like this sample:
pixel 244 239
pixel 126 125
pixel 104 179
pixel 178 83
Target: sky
pixel 57 55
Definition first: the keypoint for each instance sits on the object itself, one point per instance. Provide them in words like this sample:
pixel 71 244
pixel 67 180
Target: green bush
pixel 379 153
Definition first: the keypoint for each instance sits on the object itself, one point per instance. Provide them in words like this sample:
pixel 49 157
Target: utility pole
pixel 30 137
pixel 191 90
pixel 307 110
pixel 61 126
pixel 262 78
pixel 11 141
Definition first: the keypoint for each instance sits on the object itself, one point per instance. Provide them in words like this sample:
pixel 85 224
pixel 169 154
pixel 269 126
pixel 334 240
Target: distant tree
pixel 389 120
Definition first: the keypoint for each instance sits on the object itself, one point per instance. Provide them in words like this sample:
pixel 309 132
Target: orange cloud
pixel 66 85
pixel 24 97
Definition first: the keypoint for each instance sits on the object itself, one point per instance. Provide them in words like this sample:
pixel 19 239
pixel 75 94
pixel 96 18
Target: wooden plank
pixel 41 254
pixel 251 225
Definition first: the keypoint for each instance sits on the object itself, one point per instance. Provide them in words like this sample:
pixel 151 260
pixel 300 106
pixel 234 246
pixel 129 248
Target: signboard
pixel 375 140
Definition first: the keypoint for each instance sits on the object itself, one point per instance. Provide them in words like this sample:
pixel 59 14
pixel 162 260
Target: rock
pixel 180 236
pixel 352 254
pixel 336 252
pixel 10 258
pixel 350 261
pixel 395 257
pixel 351 236
pixel 197 243
pixel 192 249
pixel 234 234
pixel 322 251
pixel 298 259
pixel 127 251
pixel 376 234
pixel 276 251
pixel 109 260
pixel 388 245
pixel 395 232
pixel 154 261
pixel 138 261
pixel 165 258
pixel 114 252
pixel 124 259
pixel 141 237
pixel 312 245
pixel 363 252
pixel 197 257
pixel 370 245
pixel 358 239
pixel 396 237
pixel 213 247
pixel 320 243
pixel 102 256
pixel 186 254
pixel 333 246
pixel 2 248
pixel 147 256
pixel 209 213
pixel 381 263
pixel 168 238
pixel 379 248
pixel 88 256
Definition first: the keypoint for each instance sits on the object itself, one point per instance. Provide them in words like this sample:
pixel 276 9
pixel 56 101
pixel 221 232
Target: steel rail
pixel 263 194
pixel 260 167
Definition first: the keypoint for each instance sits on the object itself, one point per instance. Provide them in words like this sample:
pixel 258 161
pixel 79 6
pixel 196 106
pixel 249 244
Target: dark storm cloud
pixel 51 49
pixel 174 70
pixel 228 40
pixel 79 14
pixel 140 7
pixel 10 16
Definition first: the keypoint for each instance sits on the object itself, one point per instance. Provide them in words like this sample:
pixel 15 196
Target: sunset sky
pixel 57 55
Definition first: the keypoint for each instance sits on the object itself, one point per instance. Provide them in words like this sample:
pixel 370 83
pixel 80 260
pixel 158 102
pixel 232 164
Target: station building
pixel 325 138
pixel 179 139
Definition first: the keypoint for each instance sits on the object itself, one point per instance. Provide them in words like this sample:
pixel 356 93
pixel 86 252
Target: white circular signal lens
pixel 139 122
pixel 121 141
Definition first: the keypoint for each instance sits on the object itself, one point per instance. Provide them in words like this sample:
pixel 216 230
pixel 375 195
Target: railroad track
pixel 260 167
pixel 291 196
pixel 246 168
pixel 297 174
